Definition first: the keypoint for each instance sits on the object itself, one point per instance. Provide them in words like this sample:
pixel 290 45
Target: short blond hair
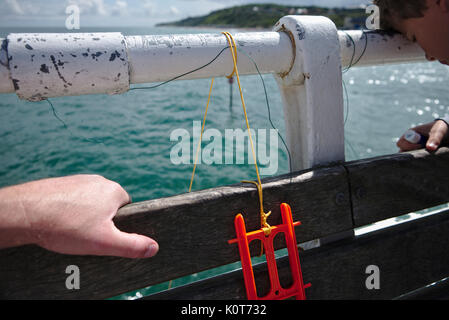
pixel 393 11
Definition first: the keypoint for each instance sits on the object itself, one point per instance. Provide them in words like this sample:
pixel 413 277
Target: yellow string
pixel 201 136
pixel 263 216
pixel 232 52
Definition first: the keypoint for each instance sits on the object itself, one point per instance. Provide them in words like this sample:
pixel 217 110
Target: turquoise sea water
pixel 134 128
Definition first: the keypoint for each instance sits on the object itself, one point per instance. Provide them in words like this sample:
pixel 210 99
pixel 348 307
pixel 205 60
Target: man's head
pixel 423 21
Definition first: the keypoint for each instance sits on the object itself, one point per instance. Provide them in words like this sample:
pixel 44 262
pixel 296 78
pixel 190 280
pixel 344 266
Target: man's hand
pixel 71 215
pixel 437 131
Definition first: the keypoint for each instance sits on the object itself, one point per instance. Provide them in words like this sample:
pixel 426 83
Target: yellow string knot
pixel 263 216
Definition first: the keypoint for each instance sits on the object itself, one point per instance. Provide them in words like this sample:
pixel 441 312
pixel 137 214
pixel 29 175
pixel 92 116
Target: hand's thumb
pixel 434 141
pixel 130 245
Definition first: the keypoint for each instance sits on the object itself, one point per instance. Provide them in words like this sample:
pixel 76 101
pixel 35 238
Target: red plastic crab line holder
pixel 243 239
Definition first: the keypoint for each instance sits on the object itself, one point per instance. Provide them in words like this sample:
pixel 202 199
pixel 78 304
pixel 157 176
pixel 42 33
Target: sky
pixel 111 13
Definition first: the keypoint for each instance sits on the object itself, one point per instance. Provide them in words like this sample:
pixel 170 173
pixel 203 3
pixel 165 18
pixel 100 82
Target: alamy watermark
pixel 373 21
pixel 372 282
pixel 228 149
pixel 72 21
pixel 72 282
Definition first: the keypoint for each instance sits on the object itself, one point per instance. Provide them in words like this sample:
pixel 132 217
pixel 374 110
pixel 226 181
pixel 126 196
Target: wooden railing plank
pixel 192 231
pixel 409 256
pixel 390 186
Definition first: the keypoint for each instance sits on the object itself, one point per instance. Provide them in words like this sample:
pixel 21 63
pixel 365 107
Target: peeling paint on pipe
pixel 39 66
pixel 62 64
pixel 5 79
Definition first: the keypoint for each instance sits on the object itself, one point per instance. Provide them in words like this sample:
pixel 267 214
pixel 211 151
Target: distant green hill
pixel 266 15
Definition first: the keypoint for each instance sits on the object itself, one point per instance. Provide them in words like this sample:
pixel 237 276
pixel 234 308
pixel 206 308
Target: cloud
pixel 90 7
pixel 174 11
pixel 148 7
pixel 12 7
pixel 101 7
pixel 22 9
pixel 120 8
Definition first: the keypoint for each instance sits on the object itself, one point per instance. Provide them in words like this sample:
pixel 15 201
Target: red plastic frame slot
pixel 243 239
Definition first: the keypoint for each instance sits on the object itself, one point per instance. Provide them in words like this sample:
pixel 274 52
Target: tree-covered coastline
pixel 266 15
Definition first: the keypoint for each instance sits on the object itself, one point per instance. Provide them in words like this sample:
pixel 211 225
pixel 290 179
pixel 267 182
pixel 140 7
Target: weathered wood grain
pixel 390 186
pixel 410 255
pixel 192 231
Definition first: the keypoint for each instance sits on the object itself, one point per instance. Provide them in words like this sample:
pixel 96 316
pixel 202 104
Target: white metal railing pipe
pixel 48 65
pixel 306 54
pixel 37 66
pixel 162 57
pixel 371 48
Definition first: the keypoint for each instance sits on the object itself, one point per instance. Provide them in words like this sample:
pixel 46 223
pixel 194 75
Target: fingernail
pixel 152 250
pixel 432 145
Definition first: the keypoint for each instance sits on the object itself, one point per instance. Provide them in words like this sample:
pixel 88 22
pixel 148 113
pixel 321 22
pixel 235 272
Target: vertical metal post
pixel 312 92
